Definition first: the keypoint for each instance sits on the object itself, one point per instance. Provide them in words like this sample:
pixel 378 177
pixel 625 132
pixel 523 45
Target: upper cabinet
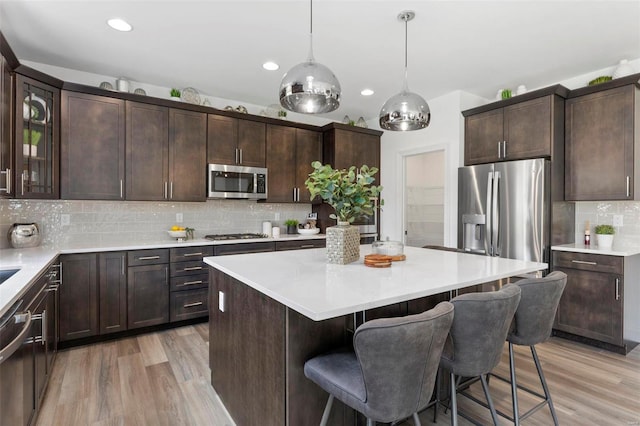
pixel 6 144
pixel 528 126
pixel 290 152
pixel 92 147
pixel 345 146
pixel 234 141
pixel 187 155
pixel 36 149
pixel 602 141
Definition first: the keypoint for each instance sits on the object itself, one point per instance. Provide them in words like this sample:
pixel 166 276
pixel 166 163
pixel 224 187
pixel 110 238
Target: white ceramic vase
pixel 29 150
pixel 343 243
pixel 623 69
pixel 604 241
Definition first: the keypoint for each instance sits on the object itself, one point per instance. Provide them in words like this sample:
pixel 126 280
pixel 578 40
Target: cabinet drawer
pixel 190 282
pixel 589 262
pixel 298 245
pixel 242 248
pixel 147 257
pixel 187 268
pixel 189 304
pixel 190 253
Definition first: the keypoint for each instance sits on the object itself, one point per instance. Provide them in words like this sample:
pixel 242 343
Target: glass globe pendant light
pixel 310 87
pixel 406 110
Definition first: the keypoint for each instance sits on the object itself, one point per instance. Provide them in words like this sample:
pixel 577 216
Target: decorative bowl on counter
pixel 180 235
pixel 311 231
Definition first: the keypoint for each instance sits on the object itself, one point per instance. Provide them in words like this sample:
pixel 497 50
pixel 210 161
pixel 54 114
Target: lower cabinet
pixel 113 291
pixel 78 316
pixel 300 245
pixel 148 295
pixel 189 292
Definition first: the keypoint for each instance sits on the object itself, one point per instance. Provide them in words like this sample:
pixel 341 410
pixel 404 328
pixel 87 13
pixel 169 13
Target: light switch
pixel 617 220
pixel 179 218
pixel 221 301
pixel 65 219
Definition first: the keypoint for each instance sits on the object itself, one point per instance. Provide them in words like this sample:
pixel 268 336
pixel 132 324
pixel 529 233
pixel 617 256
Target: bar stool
pixel 390 374
pixel 532 324
pixel 478 335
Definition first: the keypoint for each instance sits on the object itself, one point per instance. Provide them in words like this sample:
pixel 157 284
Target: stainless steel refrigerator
pixel 504 209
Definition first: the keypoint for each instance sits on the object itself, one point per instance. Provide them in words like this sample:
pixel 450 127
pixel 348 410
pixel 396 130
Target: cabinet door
pixel 147 152
pixel 147 295
pixel 591 305
pixel 39 327
pixel 37 144
pixel 6 144
pixel 187 155
pixel 599 145
pixel 308 150
pixel 92 147
pixel 527 129
pixel 482 135
pixel 222 139
pixel 79 296
pixel 252 143
pixel 113 291
pixel 281 162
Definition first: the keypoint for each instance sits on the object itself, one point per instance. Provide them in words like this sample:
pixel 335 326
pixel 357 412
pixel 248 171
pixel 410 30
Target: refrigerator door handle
pixel 489 222
pixel 495 214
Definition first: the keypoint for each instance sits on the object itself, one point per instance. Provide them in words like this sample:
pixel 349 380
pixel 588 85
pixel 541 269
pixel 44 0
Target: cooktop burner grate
pixel 240 236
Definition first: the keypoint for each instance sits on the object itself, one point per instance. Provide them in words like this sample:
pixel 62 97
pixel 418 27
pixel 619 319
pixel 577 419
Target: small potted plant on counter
pixel 292 226
pixel 175 94
pixel 604 236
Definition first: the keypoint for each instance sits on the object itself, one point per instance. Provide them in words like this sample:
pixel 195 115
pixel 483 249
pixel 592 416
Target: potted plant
pixel 292 226
pixel 604 236
pixel 30 141
pixel 352 194
pixel 175 94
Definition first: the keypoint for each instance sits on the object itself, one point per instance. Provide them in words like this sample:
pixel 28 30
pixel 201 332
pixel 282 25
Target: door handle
pixel 496 214
pixel 121 189
pixel 504 150
pixel 192 254
pixel 7 187
pixel 240 155
pixel 489 225
pixel 191 305
pixel 149 257
pixel 617 288
pixel 8 350
pixel 184 284
pixel 628 186
pixel 192 268
pixel 499 150
pixel 171 190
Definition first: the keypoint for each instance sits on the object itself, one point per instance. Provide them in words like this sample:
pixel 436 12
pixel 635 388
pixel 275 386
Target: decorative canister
pixel 24 235
pixel 343 243
pixel 623 69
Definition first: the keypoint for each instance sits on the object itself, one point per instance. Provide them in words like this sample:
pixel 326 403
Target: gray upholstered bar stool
pixel 478 335
pixel 390 375
pixel 532 324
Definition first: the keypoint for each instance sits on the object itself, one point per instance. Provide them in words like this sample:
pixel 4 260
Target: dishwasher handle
pixel 9 350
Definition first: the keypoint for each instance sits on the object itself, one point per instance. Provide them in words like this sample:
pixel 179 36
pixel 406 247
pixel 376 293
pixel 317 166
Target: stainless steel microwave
pixel 226 181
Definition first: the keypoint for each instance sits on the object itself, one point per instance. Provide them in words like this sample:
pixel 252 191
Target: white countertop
pixel 304 281
pixel 593 249
pixel 33 261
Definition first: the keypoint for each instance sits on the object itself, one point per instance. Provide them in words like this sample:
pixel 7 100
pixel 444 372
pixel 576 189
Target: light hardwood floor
pixel 163 379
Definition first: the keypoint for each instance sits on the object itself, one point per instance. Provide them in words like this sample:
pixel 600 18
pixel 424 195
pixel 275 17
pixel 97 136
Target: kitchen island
pixel 270 312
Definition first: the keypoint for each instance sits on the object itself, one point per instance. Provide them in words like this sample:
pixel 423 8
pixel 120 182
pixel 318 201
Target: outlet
pixel 276 216
pixel 179 218
pixel 65 219
pixel 312 216
pixel 617 220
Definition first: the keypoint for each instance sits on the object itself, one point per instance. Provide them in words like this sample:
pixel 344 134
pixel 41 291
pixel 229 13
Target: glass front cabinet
pixel 37 139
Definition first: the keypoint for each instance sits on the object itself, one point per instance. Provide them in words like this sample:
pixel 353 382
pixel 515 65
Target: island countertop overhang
pixel 305 282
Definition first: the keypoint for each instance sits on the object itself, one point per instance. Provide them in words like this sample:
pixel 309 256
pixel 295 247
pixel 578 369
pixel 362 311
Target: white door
pixel 424 199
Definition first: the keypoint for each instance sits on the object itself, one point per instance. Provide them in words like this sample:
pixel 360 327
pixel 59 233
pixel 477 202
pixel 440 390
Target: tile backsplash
pixel 602 212
pixel 108 222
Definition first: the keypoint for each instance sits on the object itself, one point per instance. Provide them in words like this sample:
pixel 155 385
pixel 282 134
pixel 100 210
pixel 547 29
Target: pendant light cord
pixel 311 58
pixel 405 87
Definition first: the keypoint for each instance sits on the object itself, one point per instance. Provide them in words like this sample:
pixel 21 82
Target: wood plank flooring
pixel 163 379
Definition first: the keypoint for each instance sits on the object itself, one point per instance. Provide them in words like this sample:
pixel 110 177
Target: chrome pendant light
pixel 406 110
pixel 310 87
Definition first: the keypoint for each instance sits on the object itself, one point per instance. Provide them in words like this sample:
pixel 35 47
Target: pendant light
pixel 310 87
pixel 406 110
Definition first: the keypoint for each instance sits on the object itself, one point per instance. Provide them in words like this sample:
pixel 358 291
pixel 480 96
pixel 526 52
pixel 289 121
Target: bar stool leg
pixel 435 406
pixel 547 395
pixel 416 420
pixel 371 422
pixel 327 411
pixel 454 402
pixel 485 387
pixel 514 386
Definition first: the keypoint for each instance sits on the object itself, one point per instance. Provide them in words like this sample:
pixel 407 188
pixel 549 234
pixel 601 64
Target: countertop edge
pixel 581 248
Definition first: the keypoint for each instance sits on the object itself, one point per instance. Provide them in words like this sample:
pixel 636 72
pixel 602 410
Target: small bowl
pixel 312 231
pixel 178 234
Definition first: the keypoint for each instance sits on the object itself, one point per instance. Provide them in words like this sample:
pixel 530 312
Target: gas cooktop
pixel 241 236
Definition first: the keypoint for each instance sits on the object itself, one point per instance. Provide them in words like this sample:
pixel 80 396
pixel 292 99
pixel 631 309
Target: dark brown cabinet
pixel 521 130
pixel 290 152
pixel 234 141
pixel 300 244
pixel 37 144
pixel 78 314
pixel 593 300
pixel 187 155
pixel 6 143
pixel 147 288
pixel 602 145
pixel 189 280
pixel 113 291
pixel 346 146
pixel 92 147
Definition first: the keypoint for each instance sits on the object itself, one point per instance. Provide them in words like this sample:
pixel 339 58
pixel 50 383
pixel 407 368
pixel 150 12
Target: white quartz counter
pixel 593 249
pixel 304 281
pixel 33 261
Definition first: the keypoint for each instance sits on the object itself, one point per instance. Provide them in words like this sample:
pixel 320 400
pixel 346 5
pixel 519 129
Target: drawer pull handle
pixel 306 246
pixel 149 257
pixel 583 262
pixel 192 268
pixel 192 305
pixel 189 283
pixel 192 254
pixel 617 288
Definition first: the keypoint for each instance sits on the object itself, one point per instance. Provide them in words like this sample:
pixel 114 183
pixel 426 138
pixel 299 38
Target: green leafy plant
pixel 175 93
pixel 605 230
pixel 189 232
pixel 282 113
pixel 291 222
pixel 601 79
pixel 506 93
pixel 31 137
pixel 350 193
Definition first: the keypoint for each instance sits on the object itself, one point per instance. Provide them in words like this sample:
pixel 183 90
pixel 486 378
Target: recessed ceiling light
pixel 270 66
pixel 366 92
pixel 119 24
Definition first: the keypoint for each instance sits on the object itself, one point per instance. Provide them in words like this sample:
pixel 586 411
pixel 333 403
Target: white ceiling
pixel 218 46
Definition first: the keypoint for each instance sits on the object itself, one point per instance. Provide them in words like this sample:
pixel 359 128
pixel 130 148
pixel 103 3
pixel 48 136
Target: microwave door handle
pixel 489 225
pixel 496 214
